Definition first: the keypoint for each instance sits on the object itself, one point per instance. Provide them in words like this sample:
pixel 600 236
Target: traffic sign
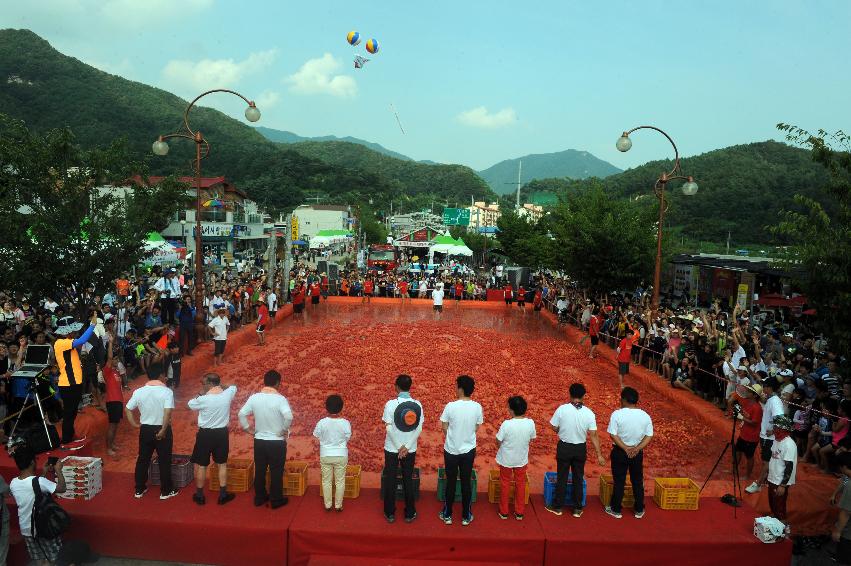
pixel 456 216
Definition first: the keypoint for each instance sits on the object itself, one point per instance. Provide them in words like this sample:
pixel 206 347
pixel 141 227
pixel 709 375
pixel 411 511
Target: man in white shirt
pixel 403 422
pixel 216 303
pixel 272 420
pixel 155 402
pixel 213 406
pixel 272 303
pixel 574 423
pixel 437 298
pixel 168 287
pixel 631 430
pixel 772 407
pixel 782 466
pixel 460 421
pixel 219 325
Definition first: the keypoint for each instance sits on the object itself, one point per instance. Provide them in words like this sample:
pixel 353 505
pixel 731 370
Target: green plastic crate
pixel 441 485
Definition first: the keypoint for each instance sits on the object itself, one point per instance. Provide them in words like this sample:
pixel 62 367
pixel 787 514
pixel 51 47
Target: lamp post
pixel 160 147
pixel 689 188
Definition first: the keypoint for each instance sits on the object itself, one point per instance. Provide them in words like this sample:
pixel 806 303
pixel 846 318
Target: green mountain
pixel 571 163
pixel 47 90
pixel 283 136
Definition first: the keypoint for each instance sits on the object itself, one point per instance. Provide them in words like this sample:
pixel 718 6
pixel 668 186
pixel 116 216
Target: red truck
pixel 382 258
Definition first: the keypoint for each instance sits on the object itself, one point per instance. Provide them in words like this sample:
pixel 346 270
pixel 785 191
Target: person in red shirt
pixel 114 396
pixel 748 440
pixel 459 290
pixel 368 287
pixel 593 333
pixel 538 301
pixel 262 321
pixel 403 289
pixel 314 293
pixel 624 357
pixel 521 297
pixel 508 293
pixel 324 286
pixel 298 299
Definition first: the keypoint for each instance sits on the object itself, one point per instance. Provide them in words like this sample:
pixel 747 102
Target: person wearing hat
pixel 66 349
pixel 751 412
pixel 782 466
pixel 771 408
pixel 333 433
pixel 219 326
pixel 403 421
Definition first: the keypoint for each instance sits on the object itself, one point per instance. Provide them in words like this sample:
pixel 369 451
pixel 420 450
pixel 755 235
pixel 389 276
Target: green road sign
pixel 456 216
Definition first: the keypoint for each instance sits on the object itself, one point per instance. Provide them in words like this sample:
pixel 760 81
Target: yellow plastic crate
pixel 676 494
pixel 240 475
pixel 352 490
pixel 295 478
pixel 607 485
pixel 495 488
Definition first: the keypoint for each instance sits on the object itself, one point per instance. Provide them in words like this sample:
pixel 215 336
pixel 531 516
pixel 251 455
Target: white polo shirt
pixel 631 425
pixel 463 417
pixel 573 424
pixel 773 406
pixel 333 435
pixel 395 438
pixel 220 328
pixel 437 296
pixel 272 416
pixel 213 408
pixel 152 400
pixel 514 436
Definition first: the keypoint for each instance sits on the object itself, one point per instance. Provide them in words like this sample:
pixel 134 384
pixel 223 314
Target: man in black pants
pixel 186 320
pixel 403 419
pixel 66 350
pixel 169 289
pixel 460 421
pixel 574 423
pixel 272 420
pixel 155 402
pixel 631 430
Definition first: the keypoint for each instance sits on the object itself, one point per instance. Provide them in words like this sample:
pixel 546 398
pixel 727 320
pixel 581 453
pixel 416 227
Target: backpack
pixel 49 520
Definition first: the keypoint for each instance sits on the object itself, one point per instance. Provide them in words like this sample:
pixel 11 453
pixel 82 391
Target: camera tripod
pixel 32 391
pixel 735 498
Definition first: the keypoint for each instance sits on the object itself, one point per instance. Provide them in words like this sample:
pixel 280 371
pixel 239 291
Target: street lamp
pixel 689 188
pixel 160 147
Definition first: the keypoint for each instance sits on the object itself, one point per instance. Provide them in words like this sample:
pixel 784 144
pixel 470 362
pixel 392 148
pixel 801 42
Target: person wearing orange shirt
pixel 508 293
pixel 66 349
pixel 459 290
pixel 521 297
pixel 403 289
pixel 122 287
pixel 625 354
pixel 368 288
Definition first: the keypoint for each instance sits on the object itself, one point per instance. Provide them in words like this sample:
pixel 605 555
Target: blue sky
pixel 479 81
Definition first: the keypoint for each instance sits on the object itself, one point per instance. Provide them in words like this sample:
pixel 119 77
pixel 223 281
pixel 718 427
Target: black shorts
pixel 538 307
pixel 765 449
pixel 508 301
pixel 114 411
pixel 211 441
pixel 219 347
pixel 314 300
pixel 261 328
pixel 595 340
pixel 746 448
pixel 438 308
pixel 298 307
pixel 521 303
pixel 272 314
pixel 623 368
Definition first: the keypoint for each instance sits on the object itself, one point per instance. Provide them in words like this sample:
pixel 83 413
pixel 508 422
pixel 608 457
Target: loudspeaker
pixel 333 271
pixel 322 267
pixel 34 437
pixel 518 276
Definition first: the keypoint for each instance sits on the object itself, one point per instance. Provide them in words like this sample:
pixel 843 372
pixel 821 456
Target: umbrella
pixel 213 203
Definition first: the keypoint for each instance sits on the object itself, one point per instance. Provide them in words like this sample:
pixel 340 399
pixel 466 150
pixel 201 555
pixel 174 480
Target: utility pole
pixel 728 242
pixel 519 170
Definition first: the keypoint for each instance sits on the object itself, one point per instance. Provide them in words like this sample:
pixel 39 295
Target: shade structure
pixel 460 250
pixel 159 251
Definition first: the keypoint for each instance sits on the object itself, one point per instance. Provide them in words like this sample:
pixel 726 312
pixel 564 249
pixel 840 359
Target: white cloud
pixel 317 76
pixel 215 73
pixel 480 118
pixel 267 99
pixel 134 13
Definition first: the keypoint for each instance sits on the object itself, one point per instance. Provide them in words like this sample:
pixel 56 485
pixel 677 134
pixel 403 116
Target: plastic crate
pixel 550 489
pixel 676 494
pixel 400 492
pixel 240 475
pixel 495 488
pixel 182 472
pixel 295 478
pixel 607 486
pixel 352 490
pixel 441 485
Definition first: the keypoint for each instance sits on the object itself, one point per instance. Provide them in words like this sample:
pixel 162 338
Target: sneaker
pixel 518 516
pixel 613 514
pixel 577 512
pixel 553 510
pixel 338 509
pixel 753 488
pixel 390 518
pixel 261 502
pixel 139 494
pixel 168 495
pixel 279 504
pixel 467 520
pixel 447 520
pixel 502 516
pixel 199 499
pixel 411 518
pixel 226 498
pixel 639 514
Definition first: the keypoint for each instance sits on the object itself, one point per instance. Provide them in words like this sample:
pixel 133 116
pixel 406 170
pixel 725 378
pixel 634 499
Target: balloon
pixel 353 38
pixel 372 46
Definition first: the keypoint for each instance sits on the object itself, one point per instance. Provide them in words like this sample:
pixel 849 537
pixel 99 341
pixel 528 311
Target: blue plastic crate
pixel 550 489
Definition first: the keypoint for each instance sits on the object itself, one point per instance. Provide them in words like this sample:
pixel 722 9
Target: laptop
pixel 36 361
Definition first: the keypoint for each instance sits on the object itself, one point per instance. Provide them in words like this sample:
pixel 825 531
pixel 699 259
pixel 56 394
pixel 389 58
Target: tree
pixel 822 241
pixel 66 224
pixel 603 242
pixel 527 243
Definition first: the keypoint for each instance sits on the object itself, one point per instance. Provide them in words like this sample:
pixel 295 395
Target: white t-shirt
pixel 272 416
pixel 395 438
pixel 213 408
pixel 271 299
pixel 738 356
pixel 22 491
pixel 773 406
pixel 573 424
pixel 333 434
pixel 463 416
pixel 437 295
pixel 220 328
pixel 152 400
pixel 515 436
pixel 631 425
pixel 781 452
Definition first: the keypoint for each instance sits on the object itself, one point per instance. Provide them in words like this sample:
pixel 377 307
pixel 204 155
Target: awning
pixel 775 300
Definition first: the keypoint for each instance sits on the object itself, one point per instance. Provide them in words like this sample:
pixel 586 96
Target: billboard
pixel 456 216
pixel 294 228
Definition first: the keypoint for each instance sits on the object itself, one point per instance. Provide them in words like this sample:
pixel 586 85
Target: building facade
pixel 315 217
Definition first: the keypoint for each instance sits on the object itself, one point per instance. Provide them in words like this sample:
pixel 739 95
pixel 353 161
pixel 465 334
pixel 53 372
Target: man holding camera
pixel 168 287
